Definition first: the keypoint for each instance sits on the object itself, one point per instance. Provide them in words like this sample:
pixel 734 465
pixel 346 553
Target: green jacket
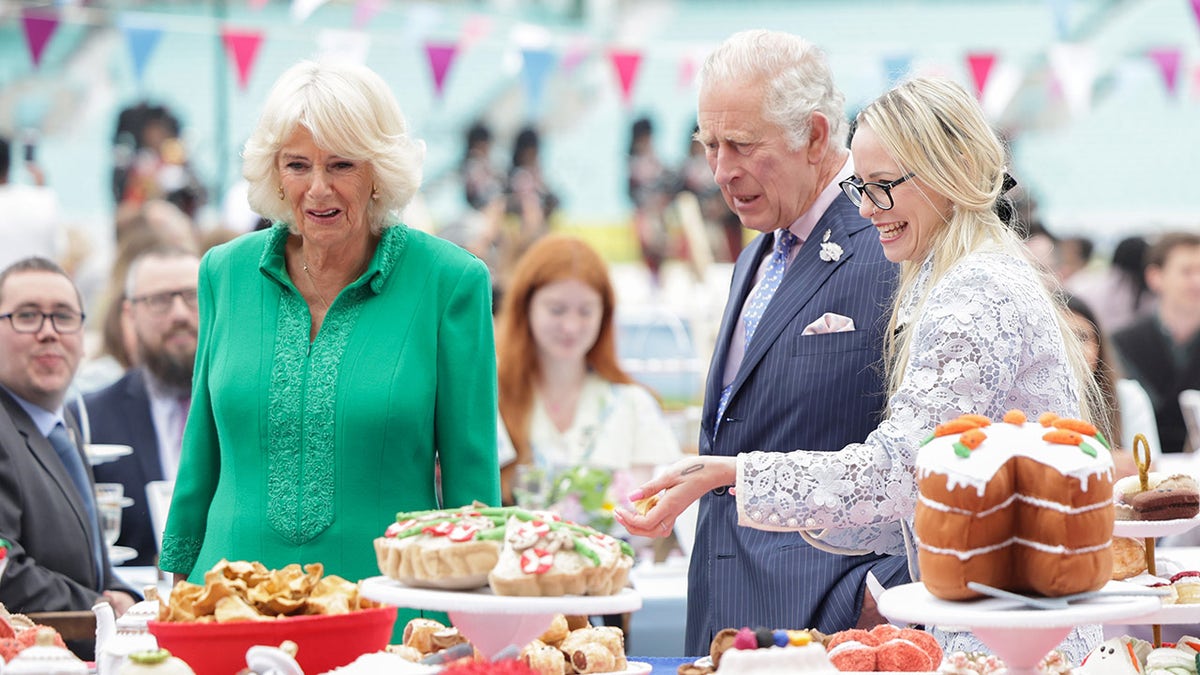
pixel 301 452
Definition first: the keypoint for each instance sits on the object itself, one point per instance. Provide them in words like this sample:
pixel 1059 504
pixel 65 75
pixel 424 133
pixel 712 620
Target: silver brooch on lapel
pixel 830 250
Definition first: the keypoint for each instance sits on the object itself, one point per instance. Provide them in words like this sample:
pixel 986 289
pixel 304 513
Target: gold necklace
pixel 312 281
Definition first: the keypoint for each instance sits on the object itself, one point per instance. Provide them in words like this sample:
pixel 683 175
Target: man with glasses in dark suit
pixel 57 560
pixel 146 409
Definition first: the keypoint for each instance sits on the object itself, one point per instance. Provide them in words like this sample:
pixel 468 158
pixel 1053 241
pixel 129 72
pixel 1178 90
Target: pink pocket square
pixel 829 323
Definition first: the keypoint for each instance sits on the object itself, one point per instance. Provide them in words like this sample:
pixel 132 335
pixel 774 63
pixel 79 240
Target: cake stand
pixel 493 622
pixel 1019 635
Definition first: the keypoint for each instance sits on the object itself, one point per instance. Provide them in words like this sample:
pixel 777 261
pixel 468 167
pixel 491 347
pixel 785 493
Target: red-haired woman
pixel 564 399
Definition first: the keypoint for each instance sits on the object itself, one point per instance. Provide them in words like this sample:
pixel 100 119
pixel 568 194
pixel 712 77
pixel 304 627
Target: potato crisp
pixel 248 591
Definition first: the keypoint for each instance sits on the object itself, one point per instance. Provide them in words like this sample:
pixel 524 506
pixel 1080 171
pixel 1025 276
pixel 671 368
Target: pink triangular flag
pixel 1167 59
pixel 441 55
pixel 576 51
pixel 687 71
pixel 1196 10
pixel 242 45
pixel 627 63
pixel 257 4
pixel 1196 82
pixel 365 10
pixel 474 30
pixel 39 26
pixel 981 66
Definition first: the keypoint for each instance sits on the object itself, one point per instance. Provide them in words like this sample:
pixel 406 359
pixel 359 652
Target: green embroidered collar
pixel 391 244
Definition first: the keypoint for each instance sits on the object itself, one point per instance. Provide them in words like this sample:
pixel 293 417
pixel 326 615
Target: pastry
pixel 646 503
pixel 1129 557
pixel 515 551
pixel 1166 497
pixel 1187 587
pixel 1174 498
pixel 1021 506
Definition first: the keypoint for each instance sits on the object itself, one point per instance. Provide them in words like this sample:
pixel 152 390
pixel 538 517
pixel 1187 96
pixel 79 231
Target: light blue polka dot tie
pixel 759 299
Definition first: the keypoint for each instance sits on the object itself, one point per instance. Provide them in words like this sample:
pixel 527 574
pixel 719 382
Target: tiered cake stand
pixel 1018 634
pixel 1149 530
pixel 494 622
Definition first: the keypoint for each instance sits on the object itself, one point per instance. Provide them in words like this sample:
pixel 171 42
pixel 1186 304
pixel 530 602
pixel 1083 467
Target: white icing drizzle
pixel 1057 550
pixel 1035 501
pixel 1005 441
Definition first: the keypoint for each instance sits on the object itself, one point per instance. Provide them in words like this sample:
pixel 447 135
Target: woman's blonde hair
pixel 935 129
pixel 351 112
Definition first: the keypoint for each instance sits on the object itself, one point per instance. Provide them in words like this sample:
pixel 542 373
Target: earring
pixel 281 192
pixel 374 192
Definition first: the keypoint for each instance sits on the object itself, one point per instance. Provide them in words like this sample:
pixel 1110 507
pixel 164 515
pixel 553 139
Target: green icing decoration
pixel 1087 449
pixel 961 450
pixel 586 551
pixel 1103 441
pixel 928 438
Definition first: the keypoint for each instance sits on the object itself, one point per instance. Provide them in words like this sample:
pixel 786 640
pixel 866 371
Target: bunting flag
pixel 257 4
pixel 440 55
pixel 141 41
pixel 1167 59
pixel 302 9
pixel 365 11
pixel 348 45
pixel 626 62
pixel 39 27
pixel 687 71
pixel 1004 82
pixel 536 65
pixel 897 67
pixel 1074 67
pixel 1060 13
pixel 242 45
pixel 981 66
pixel 1196 10
pixel 577 50
pixel 474 30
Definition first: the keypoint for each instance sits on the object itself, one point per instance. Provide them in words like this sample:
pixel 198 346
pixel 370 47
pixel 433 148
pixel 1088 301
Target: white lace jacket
pixel 986 342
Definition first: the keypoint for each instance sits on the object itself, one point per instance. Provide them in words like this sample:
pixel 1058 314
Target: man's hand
pixel 685 482
pixel 120 601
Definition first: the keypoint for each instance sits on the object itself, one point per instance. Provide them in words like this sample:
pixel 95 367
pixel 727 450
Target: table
pixel 657 629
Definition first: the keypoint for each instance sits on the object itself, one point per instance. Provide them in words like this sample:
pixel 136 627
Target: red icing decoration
pixel 439 530
pixel 462 533
pixel 536 561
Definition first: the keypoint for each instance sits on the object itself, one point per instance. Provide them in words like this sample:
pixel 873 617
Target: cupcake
pixel 1187 587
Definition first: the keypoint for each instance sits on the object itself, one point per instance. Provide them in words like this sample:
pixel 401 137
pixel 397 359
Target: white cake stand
pixel 1016 633
pixel 493 622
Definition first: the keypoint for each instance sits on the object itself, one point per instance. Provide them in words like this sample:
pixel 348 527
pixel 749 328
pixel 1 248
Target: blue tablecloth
pixel 663 665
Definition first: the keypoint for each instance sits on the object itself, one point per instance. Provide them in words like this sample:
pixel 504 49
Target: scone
pixel 1129 558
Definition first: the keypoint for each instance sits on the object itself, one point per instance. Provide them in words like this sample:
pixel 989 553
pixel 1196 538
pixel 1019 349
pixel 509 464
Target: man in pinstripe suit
pixel 774 132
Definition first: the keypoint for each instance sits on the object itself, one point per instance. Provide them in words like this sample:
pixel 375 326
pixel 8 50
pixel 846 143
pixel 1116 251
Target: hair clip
pixel 1008 184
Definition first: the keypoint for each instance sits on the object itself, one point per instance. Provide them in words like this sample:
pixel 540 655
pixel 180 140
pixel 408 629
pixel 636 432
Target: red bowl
pixel 325 641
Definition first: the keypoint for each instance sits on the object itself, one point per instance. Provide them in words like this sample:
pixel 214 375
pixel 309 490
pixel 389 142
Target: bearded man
pixel 147 408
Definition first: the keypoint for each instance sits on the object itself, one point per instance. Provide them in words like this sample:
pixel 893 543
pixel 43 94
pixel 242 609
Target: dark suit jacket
pixel 121 414
pixel 793 391
pixel 1145 353
pixel 51 566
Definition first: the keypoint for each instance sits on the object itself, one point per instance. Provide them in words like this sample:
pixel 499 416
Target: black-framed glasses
pixel 32 320
pixel 160 303
pixel 880 194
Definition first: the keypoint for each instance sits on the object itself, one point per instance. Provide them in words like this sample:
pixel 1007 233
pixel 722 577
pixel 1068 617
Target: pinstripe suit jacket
pixel 815 392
